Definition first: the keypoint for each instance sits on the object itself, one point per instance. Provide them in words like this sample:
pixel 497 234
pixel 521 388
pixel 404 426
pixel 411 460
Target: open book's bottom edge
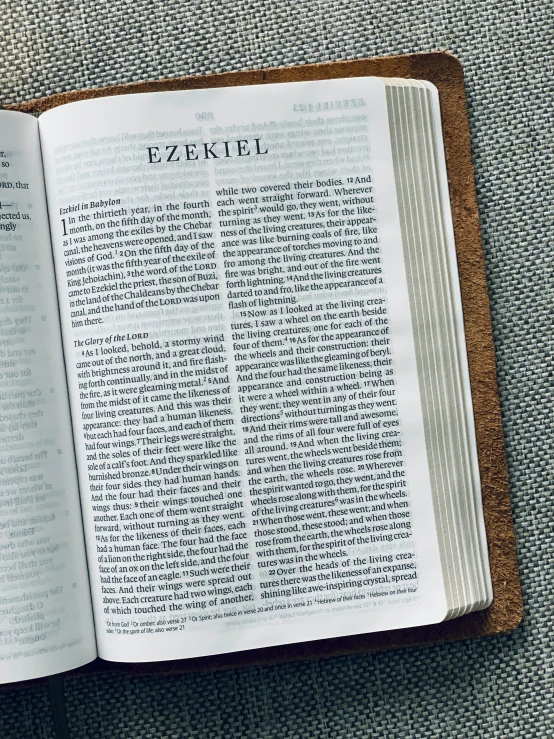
pixel 502 617
pixel 472 626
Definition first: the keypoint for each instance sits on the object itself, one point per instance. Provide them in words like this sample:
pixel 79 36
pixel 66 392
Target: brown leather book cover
pixel 506 611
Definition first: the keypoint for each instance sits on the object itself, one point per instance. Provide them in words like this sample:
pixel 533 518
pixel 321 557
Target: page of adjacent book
pixel 45 611
pixel 241 367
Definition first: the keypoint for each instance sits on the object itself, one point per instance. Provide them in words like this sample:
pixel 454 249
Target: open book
pixel 235 407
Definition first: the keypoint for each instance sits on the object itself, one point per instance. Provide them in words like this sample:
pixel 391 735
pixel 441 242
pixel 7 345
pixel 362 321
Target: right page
pixel 242 372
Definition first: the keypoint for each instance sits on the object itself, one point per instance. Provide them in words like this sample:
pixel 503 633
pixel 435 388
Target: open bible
pixel 235 401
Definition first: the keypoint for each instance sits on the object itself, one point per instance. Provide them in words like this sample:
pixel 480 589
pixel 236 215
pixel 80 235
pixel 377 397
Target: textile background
pixel 496 687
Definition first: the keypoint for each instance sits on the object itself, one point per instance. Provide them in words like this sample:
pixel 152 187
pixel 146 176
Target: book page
pixel 241 368
pixel 45 611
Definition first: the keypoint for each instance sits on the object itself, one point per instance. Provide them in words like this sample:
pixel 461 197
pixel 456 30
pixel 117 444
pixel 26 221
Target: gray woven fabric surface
pixel 496 687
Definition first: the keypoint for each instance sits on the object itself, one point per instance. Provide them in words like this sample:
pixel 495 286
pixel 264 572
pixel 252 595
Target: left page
pixel 46 623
